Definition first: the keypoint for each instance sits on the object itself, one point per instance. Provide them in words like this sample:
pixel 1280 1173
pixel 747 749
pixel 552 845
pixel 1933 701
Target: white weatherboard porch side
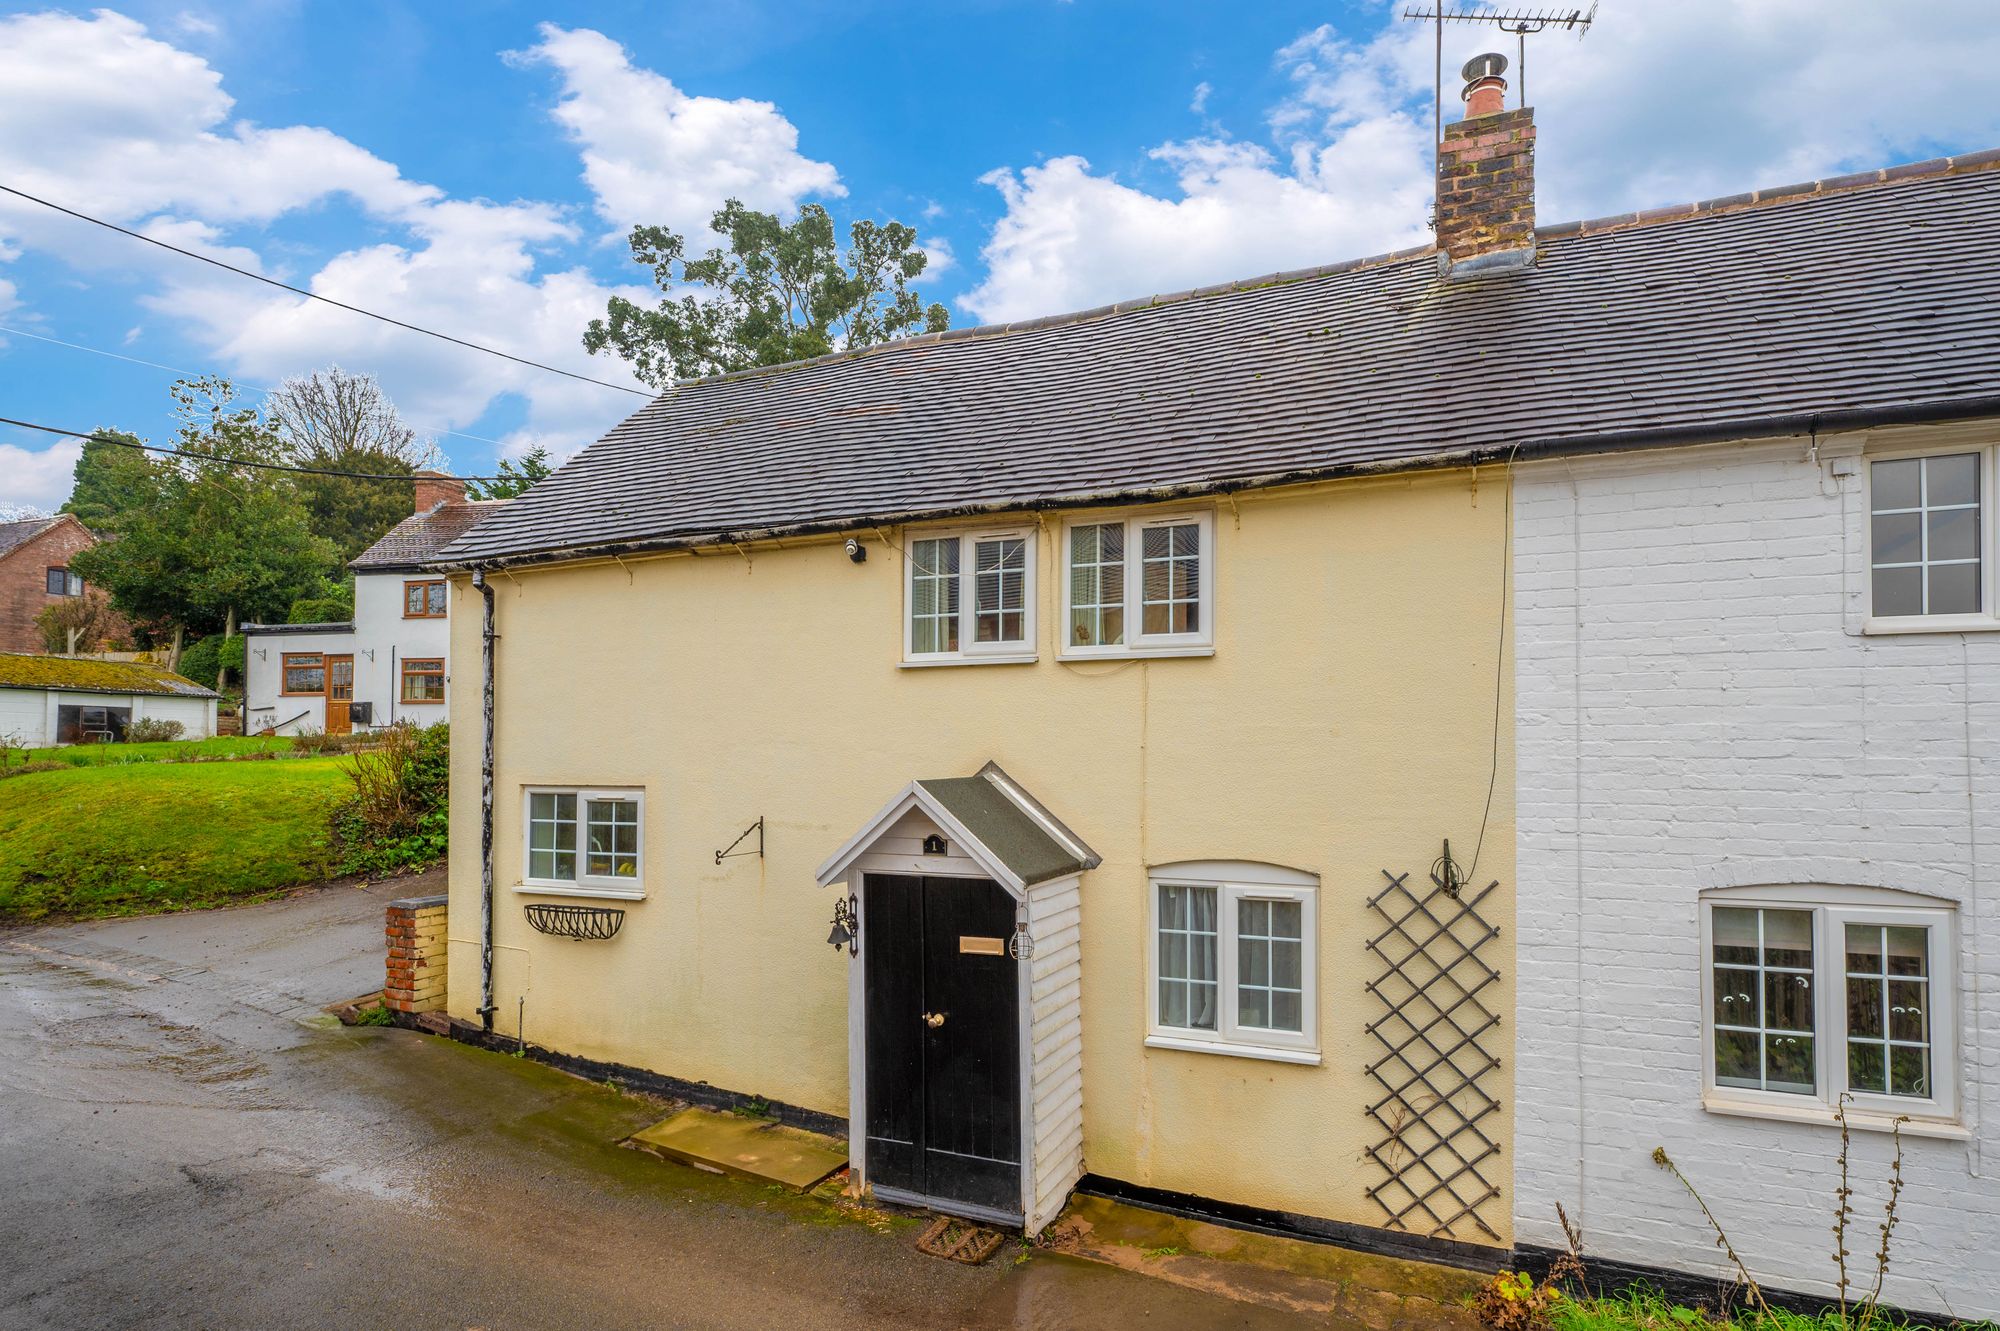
pixel 1699 709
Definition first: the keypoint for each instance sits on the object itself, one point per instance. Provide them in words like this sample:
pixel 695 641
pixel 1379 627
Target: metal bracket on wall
pixel 730 852
pixel 1434 1066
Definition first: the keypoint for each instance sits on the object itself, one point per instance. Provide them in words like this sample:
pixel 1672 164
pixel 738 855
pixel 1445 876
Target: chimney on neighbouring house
pixel 438 487
pixel 1486 177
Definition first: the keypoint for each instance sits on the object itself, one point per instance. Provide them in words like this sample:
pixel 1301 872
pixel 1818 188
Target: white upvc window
pixel 969 596
pixel 1931 541
pixel 1234 960
pixel 583 842
pixel 1138 586
pixel 1812 994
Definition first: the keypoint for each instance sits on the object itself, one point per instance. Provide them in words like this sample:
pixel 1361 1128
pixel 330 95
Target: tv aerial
pixel 1520 22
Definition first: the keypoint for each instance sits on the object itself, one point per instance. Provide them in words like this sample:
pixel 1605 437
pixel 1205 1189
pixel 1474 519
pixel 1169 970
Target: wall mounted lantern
pixel 846 927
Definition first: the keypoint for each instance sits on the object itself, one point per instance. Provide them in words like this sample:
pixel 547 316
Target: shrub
pixel 318 741
pixel 320 610
pixel 397 820
pixel 152 730
pixel 202 661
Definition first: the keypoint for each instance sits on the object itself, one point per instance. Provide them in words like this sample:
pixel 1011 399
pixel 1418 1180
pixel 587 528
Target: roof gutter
pixel 1711 432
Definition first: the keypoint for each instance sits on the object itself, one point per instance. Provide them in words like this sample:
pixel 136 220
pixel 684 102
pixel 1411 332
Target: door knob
pixel 933 1019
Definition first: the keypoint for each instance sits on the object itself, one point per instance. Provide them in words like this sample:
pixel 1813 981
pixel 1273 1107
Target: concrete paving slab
pixel 751 1148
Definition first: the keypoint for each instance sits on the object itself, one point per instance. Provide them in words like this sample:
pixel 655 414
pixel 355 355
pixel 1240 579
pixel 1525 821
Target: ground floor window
pixel 1812 998
pixel 90 725
pixel 1234 957
pixel 305 673
pixel 584 839
pixel 423 679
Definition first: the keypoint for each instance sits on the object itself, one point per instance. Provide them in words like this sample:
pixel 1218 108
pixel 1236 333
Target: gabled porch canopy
pixel 987 818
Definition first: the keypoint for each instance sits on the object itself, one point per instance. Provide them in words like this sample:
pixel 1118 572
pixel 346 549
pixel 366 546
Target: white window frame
pixel 585 885
pixel 971 652
pixel 1832 909
pixel 1988 616
pixel 1137 642
pixel 1233 882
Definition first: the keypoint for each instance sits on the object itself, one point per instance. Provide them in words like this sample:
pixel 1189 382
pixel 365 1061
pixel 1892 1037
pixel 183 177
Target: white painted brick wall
pixel 1698 709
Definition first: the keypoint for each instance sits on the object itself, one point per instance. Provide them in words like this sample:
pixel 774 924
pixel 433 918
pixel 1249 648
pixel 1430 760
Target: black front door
pixel 944 1052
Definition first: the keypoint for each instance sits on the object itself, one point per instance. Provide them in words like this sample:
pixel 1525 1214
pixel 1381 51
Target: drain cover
pixel 960 1240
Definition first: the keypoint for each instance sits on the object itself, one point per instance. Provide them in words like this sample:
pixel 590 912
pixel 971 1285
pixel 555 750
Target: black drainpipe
pixel 486 636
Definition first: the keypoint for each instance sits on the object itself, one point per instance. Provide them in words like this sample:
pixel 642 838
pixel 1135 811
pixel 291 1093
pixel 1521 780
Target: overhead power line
pixel 194 374
pixel 104 438
pixel 324 300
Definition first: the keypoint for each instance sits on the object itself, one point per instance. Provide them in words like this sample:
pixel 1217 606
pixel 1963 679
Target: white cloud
pixel 99 116
pixel 1661 103
pixel 938 254
pixel 1664 104
pixel 148 141
pixel 1353 178
pixel 655 154
pixel 38 478
pixel 1199 102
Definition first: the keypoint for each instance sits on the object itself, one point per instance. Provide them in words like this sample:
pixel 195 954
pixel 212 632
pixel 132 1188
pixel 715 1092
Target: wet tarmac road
pixel 185 1141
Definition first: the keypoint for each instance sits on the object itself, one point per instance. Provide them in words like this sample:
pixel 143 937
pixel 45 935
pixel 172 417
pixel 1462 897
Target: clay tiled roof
pixel 1855 301
pixel 415 539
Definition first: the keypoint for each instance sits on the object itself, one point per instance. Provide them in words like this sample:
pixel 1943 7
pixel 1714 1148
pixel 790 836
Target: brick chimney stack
pixel 437 487
pixel 1486 176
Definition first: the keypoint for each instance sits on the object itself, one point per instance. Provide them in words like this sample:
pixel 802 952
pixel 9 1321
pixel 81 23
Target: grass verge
pixel 135 839
pixel 166 751
pixel 1647 1310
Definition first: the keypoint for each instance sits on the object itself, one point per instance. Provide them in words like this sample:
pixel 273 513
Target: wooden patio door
pixel 339 693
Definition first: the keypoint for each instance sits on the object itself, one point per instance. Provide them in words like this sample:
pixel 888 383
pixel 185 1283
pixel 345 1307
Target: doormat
pixel 959 1240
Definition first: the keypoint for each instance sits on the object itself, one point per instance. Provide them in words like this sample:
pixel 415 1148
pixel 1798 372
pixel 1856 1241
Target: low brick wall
pixel 415 933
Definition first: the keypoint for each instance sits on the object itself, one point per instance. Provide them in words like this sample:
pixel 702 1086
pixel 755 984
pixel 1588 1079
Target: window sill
pixel 1269 1053
pixel 1943 624
pixel 1861 1120
pixel 1136 653
pixel 998 658
pixel 607 893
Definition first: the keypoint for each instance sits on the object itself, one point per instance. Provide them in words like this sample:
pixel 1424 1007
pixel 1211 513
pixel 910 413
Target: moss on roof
pixel 21 671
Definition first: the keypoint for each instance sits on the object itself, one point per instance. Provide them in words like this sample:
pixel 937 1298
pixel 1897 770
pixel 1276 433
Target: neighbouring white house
pixel 392 662
pixel 1758 764
pixel 47 700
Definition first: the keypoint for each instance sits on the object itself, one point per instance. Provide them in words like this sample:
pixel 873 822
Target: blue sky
pixel 473 167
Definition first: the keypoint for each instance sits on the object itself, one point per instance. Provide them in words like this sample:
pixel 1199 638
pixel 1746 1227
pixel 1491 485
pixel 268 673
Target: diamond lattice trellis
pixel 1434 1065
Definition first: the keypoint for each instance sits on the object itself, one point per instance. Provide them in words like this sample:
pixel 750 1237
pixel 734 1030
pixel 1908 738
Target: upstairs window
pixel 1139 585
pixel 1929 539
pixel 423 600
pixel 1816 994
pixel 62 582
pixel 1233 965
pixel 584 842
pixel 970 596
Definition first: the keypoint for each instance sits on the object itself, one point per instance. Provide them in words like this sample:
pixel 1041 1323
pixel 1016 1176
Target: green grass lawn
pixel 179 750
pixel 135 839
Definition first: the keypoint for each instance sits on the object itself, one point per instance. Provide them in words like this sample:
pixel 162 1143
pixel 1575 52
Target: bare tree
pixel 344 422
pixel 331 415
